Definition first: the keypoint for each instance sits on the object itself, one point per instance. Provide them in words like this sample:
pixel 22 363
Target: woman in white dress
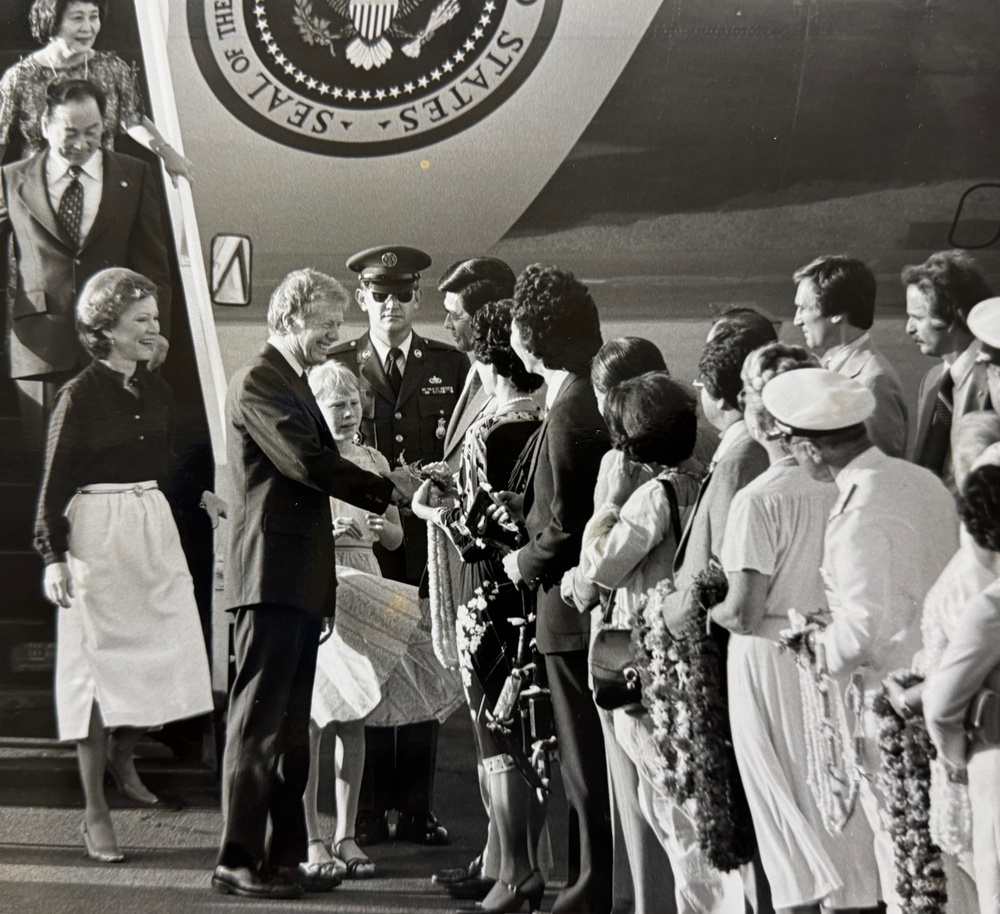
pixel 378 666
pixel 130 654
pixel 771 554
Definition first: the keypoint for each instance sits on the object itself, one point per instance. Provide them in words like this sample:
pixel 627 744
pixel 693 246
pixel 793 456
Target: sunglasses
pixel 402 297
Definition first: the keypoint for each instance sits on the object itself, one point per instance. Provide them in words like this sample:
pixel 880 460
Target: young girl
pixel 379 664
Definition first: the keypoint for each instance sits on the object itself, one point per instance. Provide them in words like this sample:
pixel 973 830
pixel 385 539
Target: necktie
pixel 938 441
pixel 71 206
pixel 392 371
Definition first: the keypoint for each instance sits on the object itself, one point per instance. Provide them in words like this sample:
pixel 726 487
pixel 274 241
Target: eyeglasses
pixel 403 297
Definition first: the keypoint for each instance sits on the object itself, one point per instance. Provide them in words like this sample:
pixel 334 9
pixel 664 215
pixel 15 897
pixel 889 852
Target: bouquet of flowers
pixel 906 751
pixel 684 688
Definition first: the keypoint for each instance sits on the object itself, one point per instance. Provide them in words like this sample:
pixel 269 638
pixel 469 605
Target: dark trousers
pixel 399 769
pixel 585 780
pixel 266 762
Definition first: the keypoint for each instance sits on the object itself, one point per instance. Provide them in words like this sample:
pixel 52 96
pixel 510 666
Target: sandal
pixel 359 865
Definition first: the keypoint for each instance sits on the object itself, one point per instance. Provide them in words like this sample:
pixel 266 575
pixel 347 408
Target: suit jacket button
pixel 398 416
pixel 77 261
pixel 399 438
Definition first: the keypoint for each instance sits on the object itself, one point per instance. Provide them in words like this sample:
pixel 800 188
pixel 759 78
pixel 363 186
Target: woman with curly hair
pixel 67 30
pixel 130 654
pixel 488 640
pixel 960 697
pixel 771 555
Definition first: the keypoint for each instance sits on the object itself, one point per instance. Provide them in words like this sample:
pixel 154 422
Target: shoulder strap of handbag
pixel 675 513
pixel 608 596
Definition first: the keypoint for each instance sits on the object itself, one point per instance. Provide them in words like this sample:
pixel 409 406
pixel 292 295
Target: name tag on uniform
pixel 437 390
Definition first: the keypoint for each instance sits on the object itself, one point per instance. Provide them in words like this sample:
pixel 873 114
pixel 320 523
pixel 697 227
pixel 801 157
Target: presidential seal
pixel 367 77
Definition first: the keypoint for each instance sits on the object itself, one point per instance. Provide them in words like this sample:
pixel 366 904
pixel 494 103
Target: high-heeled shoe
pixel 134 789
pixel 529 889
pixel 101 854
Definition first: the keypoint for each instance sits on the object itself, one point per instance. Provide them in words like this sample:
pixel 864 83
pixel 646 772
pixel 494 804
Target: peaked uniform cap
pixel 392 265
pixel 815 401
pixel 984 322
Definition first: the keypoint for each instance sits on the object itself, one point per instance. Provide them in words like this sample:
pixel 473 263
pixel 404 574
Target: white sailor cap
pixel 812 402
pixel 984 322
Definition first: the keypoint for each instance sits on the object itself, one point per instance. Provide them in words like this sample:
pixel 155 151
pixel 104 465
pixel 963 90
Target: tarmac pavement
pixel 170 851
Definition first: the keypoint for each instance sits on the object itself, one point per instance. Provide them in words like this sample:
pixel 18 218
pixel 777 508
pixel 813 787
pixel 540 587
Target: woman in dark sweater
pixel 130 654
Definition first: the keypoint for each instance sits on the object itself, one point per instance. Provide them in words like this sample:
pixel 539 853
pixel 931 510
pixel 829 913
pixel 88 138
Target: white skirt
pixel 803 862
pixel 379 664
pixel 131 639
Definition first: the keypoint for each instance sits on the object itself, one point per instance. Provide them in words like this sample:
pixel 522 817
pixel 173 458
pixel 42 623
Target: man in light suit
pixel 890 535
pixel 556 333
pixel 74 209
pixel 280 585
pixel 835 310
pixel 940 293
pixel 737 460
pixel 467 286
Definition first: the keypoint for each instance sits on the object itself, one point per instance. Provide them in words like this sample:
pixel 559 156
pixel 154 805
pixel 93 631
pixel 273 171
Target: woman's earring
pixel 357 437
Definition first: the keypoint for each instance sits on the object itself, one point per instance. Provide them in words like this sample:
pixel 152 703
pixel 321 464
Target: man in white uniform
pixel 890 534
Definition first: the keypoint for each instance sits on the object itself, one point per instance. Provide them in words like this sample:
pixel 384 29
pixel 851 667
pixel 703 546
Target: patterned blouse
pixel 22 98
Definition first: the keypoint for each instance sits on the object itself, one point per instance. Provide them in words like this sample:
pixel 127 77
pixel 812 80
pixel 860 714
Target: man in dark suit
pixel 940 293
pixel 467 286
pixel 280 584
pixel 409 388
pixel 556 332
pixel 74 209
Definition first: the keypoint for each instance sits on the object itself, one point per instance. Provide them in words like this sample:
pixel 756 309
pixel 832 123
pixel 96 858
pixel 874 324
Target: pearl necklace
pixel 507 403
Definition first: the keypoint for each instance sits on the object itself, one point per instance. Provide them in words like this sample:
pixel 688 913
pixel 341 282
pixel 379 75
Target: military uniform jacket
pixel 51 270
pixel 282 468
pixel 411 426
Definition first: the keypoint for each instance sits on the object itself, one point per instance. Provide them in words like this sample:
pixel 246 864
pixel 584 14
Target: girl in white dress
pixel 378 665
pixel 771 554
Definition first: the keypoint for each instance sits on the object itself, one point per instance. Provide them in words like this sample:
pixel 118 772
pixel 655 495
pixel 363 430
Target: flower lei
pixel 439 575
pixel 904 779
pixel 685 691
pixel 833 773
pixel 470 627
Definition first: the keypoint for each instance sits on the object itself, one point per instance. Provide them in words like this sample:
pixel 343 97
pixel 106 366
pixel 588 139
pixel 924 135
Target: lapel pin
pixel 367 354
pixel 418 353
pixel 440 431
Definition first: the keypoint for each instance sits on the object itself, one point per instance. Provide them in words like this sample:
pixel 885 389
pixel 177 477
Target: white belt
pixel 116 488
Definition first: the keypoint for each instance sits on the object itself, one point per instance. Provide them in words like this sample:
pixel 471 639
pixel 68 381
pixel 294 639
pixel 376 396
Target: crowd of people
pixel 754 618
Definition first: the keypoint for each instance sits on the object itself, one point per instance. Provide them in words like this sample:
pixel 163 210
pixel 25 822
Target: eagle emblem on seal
pixel 368 27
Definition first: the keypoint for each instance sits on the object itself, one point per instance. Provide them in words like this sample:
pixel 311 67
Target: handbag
pixel 613 667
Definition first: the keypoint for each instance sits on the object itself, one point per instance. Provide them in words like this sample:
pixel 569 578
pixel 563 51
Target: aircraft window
pixel 232 270
pixel 977 218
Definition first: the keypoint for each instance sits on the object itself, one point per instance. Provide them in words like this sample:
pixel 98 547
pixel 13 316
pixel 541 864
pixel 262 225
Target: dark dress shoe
pixel 311 877
pixel 475 888
pixel 423 829
pixel 370 828
pixel 461 873
pixel 243 881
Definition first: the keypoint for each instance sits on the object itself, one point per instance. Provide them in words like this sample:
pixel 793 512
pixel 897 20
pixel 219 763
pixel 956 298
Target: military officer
pixel 409 388
pixel 890 534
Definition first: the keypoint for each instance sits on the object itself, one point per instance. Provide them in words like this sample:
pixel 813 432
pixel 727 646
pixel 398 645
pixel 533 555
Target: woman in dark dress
pixel 487 640
pixel 130 654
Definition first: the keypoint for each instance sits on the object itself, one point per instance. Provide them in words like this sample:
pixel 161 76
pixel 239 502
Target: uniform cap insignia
pixel 390 259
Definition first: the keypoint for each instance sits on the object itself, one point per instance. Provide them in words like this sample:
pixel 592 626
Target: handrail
pixel 152 17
